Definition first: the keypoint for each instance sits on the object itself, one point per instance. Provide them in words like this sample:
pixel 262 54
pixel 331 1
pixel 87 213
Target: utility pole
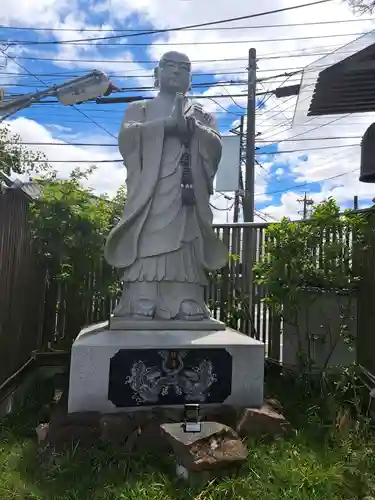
pixel 238 194
pixel 249 236
pixel 306 203
pixel 355 202
pixel 248 200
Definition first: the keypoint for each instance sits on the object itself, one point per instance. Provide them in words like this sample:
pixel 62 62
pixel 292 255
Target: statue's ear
pixel 156 77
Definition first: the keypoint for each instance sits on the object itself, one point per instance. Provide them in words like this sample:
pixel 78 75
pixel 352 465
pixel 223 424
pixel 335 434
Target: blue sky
pixel 218 56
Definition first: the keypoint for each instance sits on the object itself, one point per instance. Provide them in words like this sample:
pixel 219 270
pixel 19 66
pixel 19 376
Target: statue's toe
pixel 144 308
pixel 192 311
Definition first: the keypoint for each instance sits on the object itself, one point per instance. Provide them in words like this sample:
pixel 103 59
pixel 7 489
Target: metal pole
pixel 248 202
pixel 249 235
pixel 355 202
pixel 236 211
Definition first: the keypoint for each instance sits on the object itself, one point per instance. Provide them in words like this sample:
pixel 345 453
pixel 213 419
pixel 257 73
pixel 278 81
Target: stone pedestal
pixel 132 368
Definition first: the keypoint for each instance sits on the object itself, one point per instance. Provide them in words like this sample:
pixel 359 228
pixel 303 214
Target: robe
pixel 159 238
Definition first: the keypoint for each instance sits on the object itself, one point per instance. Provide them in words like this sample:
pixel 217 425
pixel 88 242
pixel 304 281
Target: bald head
pixel 175 57
pixel 173 72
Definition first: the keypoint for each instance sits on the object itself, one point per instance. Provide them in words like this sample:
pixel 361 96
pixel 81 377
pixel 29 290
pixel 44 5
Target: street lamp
pixel 95 84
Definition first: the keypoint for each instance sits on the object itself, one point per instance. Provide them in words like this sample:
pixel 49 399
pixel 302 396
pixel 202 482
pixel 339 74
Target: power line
pixel 307 149
pixel 118 61
pixel 115 145
pixel 264 153
pixel 195 96
pixel 260 215
pixel 307 202
pixel 78 72
pixel 199 85
pixel 317 127
pixel 77 43
pixel 225 109
pixel 290 188
pixel 129 30
pixel 120 114
pixel 297 69
pixel 189 26
pixel 129 75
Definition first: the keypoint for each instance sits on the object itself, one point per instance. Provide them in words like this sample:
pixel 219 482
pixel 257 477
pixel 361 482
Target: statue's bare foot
pixel 122 308
pixel 143 309
pixel 192 311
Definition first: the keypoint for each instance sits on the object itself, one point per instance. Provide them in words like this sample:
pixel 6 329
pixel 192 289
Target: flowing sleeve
pixel 140 144
pixel 209 146
pixel 129 141
pixel 135 133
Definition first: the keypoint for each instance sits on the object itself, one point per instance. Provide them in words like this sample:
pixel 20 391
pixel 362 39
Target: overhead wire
pixel 222 107
pixel 102 144
pixel 148 75
pixel 196 25
pixel 197 61
pixel 130 30
pixel 317 127
pixel 262 153
pixel 296 186
pixel 234 102
pixel 85 43
pixel 234 28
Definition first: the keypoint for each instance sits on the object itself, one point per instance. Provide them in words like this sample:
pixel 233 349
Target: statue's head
pixel 173 72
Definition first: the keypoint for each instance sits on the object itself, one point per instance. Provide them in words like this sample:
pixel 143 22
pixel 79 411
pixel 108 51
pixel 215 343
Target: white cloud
pixel 107 178
pixel 44 13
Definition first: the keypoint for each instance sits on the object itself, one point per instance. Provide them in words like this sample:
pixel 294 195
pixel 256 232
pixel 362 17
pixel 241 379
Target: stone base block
pixel 215 447
pixel 128 370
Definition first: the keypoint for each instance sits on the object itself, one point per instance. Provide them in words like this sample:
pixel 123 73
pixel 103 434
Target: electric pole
pixel 238 194
pixel 248 199
pixel 355 202
pixel 307 202
pixel 249 235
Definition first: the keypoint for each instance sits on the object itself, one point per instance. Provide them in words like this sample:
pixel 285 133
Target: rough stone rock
pixel 116 429
pixel 217 446
pixel 42 432
pixel 61 437
pixel 274 403
pixel 64 428
pixel 265 420
pixel 150 437
pixel 224 414
pixel 139 430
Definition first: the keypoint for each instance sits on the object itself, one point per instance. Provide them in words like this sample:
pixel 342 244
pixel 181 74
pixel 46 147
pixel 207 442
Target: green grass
pixel 314 462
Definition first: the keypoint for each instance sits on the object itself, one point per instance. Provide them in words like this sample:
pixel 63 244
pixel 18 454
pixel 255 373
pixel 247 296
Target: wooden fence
pixel 37 312
pixel 366 301
pixel 22 286
pixel 68 308
pixel 232 296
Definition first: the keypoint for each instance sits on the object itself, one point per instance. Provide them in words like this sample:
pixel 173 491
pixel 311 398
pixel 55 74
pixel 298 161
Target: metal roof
pixel 347 86
pixel 340 83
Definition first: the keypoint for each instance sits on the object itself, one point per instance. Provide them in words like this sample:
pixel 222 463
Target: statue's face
pixel 174 72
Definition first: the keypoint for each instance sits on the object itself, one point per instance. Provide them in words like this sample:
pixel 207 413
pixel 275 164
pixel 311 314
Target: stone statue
pixel 165 243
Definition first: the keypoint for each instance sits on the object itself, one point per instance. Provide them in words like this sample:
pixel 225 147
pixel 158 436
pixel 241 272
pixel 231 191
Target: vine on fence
pixel 305 262
pixel 70 225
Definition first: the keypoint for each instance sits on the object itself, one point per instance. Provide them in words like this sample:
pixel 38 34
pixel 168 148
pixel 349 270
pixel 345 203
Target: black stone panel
pixel 153 377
